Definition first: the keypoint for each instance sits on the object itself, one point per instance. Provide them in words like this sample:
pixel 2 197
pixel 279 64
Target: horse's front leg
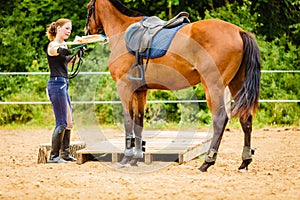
pixel 138 151
pixel 129 139
pixel 139 102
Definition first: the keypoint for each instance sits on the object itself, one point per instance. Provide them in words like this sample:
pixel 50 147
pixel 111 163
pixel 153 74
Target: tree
pixel 23 25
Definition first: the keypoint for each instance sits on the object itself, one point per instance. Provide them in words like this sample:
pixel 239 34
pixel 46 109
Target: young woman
pixel 58 56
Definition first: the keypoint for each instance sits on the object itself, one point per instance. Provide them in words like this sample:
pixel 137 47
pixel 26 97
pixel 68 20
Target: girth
pixel 139 37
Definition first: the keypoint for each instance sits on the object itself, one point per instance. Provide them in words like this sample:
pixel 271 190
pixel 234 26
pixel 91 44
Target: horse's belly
pixel 168 77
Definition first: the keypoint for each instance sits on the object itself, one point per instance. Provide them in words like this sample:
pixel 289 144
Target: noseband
pixel 91 12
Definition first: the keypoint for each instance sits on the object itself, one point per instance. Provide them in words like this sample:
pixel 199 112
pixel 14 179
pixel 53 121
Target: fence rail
pixel 150 101
pixel 107 73
pixel 48 73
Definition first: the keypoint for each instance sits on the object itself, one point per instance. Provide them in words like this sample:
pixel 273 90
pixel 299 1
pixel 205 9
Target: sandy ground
pixel 273 174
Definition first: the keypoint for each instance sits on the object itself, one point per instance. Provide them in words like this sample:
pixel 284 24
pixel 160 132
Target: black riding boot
pixel 57 137
pixel 65 151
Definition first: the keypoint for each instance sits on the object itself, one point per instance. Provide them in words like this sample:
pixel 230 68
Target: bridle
pixel 91 12
pixel 81 48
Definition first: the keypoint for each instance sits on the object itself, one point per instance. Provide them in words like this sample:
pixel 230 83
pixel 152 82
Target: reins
pixel 80 53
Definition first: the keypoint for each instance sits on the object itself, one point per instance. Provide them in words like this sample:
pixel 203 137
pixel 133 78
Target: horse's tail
pixel 246 100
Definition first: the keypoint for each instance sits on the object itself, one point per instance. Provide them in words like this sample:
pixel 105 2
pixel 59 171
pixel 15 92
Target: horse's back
pixel 221 41
pixel 212 34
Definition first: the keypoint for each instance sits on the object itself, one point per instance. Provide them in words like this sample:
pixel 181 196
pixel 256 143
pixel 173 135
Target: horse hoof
pixel 134 161
pixel 244 165
pixel 127 165
pixel 205 166
pixel 125 160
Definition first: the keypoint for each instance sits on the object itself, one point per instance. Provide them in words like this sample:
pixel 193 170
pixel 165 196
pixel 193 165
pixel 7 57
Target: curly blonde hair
pixel 52 29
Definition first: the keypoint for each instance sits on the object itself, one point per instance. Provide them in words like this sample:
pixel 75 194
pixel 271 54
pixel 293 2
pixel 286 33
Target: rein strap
pixel 80 53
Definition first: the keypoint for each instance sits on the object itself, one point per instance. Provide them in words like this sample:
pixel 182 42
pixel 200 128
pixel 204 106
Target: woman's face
pixel 64 31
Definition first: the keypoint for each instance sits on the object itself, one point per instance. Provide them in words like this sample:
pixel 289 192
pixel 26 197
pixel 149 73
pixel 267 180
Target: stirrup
pixel 140 76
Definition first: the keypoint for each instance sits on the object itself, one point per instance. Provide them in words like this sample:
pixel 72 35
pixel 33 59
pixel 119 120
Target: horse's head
pixel 92 26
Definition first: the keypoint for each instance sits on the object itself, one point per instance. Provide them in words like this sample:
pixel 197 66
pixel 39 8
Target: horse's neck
pixel 114 22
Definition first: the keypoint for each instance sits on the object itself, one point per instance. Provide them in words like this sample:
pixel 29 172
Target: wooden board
pixel 160 146
pixel 87 39
pixel 43 151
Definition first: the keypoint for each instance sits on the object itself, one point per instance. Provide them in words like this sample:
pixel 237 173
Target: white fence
pixel 150 101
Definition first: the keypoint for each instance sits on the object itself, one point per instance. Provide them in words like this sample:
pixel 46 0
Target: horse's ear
pixel 46 46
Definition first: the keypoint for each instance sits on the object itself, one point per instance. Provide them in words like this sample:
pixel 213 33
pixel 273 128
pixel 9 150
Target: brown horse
pixel 213 52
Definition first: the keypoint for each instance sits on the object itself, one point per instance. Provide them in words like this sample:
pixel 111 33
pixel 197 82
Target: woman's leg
pixel 57 94
pixel 65 149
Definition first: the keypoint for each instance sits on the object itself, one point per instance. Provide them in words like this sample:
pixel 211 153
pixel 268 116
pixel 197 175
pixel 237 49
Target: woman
pixel 58 56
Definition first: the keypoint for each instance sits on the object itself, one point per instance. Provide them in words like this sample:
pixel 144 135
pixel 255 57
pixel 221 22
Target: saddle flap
pixel 133 36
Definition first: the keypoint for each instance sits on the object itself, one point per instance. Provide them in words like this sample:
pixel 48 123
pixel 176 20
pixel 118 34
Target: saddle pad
pixel 160 43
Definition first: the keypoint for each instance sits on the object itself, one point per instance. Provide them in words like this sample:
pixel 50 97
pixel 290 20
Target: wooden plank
pixel 168 136
pixel 180 158
pixel 80 158
pixel 167 144
pixel 162 142
pixel 195 150
pixel 43 150
pixel 42 155
pixel 148 158
pixel 115 157
pixel 86 155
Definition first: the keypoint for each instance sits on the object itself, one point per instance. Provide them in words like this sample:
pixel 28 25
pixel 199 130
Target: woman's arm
pixel 55 49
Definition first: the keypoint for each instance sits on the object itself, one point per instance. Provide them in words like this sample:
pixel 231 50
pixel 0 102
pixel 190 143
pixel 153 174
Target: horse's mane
pixel 126 11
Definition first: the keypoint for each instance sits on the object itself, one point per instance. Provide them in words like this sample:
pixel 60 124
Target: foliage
pixel 23 26
pixel 276 56
pixel 279 54
pixel 238 15
pixel 278 18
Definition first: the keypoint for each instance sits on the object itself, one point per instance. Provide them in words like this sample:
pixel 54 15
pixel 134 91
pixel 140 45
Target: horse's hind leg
pixel 220 120
pixel 247 151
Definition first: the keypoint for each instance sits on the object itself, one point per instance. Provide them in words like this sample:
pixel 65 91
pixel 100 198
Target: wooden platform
pixel 43 151
pixel 167 146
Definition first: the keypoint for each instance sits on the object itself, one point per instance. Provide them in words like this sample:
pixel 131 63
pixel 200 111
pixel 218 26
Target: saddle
pixel 139 37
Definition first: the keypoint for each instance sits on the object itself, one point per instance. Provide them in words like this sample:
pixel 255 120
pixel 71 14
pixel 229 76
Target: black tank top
pixel 58 65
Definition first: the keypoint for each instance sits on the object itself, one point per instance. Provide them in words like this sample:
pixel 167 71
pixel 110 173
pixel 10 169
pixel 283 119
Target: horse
pixel 212 52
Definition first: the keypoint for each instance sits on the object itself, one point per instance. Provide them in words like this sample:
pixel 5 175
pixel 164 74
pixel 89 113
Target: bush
pixel 22 51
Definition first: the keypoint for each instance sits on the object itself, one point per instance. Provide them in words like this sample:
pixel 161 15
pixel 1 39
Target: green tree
pixel 22 39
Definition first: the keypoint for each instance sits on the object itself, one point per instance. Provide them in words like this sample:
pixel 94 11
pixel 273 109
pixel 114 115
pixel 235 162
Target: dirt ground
pixel 273 174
